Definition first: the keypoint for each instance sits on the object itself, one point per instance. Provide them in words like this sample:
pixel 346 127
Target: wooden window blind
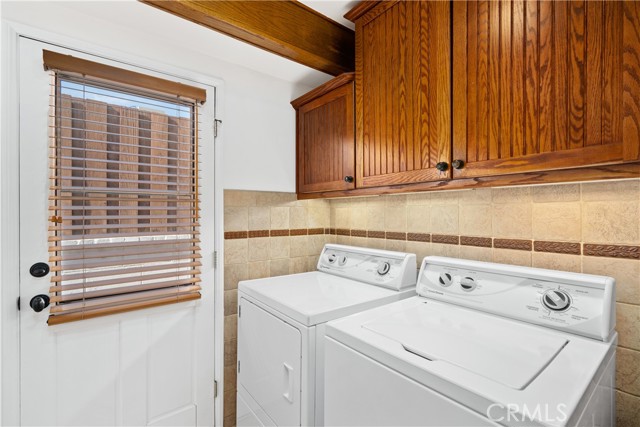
pixel 124 231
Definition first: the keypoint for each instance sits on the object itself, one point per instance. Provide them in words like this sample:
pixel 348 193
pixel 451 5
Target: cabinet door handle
pixel 348 179
pixel 442 166
pixel 457 164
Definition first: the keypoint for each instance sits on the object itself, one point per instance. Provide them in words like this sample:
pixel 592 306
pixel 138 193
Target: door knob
pixel 348 179
pixel 457 164
pixel 442 166
pixel 39 302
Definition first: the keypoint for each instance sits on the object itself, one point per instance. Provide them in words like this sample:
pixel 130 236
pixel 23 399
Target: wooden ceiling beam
pixel 286 27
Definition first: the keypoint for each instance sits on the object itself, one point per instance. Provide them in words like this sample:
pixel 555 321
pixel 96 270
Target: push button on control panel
pixel 556 300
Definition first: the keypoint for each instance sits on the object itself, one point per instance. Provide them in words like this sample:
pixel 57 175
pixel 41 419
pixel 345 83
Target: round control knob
pixel 445 279
pixel 342 260
pixel 332 258
pixel 556 300
pixel 383 268
pixel 468 284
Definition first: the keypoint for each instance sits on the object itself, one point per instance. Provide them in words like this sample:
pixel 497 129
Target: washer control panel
pixel 394 270
pixel 577 303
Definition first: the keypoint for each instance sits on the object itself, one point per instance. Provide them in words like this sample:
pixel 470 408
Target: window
pixel 124 190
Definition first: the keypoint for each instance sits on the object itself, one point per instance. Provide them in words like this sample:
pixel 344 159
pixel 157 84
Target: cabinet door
pixel 403 93
pixel 326 142
pixel 542 85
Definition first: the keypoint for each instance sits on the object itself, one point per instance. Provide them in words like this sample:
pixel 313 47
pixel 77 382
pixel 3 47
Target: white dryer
pixel 281 323
pixel 482 344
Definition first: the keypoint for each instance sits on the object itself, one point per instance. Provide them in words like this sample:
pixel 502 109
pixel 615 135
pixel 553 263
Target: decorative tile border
pixel 255 233
pixel 236 235
pixel 376 234
pixel 557 247
pixel 393 235
pixel 359 233
pixel 481 242
pixel 569 248
pixel 612 251
pixel 446 239
pixel 418 237
pixel 516 244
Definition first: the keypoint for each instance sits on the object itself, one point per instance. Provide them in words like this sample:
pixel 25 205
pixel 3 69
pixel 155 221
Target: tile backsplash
pixel 266 234
pixel 590 227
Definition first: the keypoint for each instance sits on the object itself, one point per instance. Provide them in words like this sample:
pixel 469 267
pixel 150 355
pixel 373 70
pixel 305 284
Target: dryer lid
pixel 505 352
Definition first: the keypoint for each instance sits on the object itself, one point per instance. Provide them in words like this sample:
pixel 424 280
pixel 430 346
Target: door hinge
pixel 18 302
pixel 239 311
pixel 238 366
pixel 216 122
pixel 215 259
pixel 215 389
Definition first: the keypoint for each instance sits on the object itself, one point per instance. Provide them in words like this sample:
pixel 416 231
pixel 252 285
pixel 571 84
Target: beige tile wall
pixel 605 213
pixel 257 257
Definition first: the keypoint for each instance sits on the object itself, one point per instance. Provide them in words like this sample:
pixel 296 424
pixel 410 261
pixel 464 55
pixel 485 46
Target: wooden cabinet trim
pixel 323 89
pixel 361 9
pixel 406 177
pixel 459 83
pixel 631 81
pixel 588 156
pixel 595 173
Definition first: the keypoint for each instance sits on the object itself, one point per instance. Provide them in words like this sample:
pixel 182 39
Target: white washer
pixel 281 328
pixel 482 344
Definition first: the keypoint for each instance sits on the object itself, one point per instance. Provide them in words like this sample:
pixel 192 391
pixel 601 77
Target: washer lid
pixel 317 297
pixel 510 354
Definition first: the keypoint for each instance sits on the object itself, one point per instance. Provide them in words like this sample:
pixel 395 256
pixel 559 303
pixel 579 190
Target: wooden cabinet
pixel 403 92
pixel 499 92
pixel 542 85
pixel 325 137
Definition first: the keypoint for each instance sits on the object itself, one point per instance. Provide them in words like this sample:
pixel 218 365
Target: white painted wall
pixel 258 129
pixel 259 123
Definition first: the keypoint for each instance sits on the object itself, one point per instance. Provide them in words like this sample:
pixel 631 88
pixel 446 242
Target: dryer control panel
pixel 577 303
pixel 394 270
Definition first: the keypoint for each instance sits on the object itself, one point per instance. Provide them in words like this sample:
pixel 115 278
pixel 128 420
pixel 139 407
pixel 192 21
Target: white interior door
pixel 147 367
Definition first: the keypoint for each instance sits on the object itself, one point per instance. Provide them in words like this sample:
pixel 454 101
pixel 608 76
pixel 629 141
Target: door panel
pixel 403 93
pixel 269 352
pixel 325 142
pixel 538 84
pixel 149 367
